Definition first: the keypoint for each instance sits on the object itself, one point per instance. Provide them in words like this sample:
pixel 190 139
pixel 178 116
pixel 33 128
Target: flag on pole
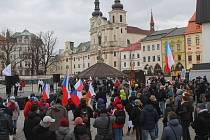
pixel 169 58
pixel 79 86
pixel 91 91
pixel 7 71
pixel 45 92
pixel 74 98
pixel 65 90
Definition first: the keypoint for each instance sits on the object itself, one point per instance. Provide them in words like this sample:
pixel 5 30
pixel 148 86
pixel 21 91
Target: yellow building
pixel 193 43
pixel 176 39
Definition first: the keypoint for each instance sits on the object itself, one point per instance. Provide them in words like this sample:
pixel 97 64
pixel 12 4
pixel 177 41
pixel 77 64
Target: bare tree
pixel 49 42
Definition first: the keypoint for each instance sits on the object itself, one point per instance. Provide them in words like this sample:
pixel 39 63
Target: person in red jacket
pixel 27 108
pixel 118 125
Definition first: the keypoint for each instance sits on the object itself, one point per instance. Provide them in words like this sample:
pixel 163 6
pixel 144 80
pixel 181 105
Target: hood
pixel 174 122
pixel 148 107
pixel 63 130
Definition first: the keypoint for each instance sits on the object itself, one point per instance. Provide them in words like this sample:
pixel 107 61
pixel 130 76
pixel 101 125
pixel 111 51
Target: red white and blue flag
pixel 75 98
pixel 45 92
pixel 65 90
pixel 169 58
pixel 79 86
pixel 91 91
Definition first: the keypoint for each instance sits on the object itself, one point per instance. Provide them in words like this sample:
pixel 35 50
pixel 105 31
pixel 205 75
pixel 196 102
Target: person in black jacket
pixel 201 123
pixel 6 127
pixel 148 120
pixel 34 119
pixel 42 132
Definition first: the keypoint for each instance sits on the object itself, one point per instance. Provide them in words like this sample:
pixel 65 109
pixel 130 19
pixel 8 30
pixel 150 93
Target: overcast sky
pixel 69 19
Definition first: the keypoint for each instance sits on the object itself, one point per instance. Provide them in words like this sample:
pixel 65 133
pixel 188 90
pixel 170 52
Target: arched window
pixel 113 19
pixel 121 18
pixel 99 40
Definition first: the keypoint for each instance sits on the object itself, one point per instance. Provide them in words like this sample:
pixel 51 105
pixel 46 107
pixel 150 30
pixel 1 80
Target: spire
pixel 97 11
pixel 152 23
pixel 117 5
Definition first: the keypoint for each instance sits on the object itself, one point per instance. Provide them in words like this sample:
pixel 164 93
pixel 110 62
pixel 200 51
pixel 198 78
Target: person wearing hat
pixel 14 107
pixel 64 132
pixel 81 132
pixel 201 123
pixel 42 131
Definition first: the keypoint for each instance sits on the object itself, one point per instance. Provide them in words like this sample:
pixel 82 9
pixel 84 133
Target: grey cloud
pixel 69 19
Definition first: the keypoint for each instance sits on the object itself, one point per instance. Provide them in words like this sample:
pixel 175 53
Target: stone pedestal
pixel 206 42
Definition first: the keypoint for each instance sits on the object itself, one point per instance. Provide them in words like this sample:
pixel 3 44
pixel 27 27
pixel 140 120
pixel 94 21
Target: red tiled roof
pixel 136 30
pixel 132 47
pixel 192 26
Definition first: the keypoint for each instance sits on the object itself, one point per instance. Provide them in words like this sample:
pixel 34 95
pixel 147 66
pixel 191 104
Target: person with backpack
pixel 14 107
pixel 118 125
pixel 81 132
pixel 173 131
pixel 148 120
pixel 103 123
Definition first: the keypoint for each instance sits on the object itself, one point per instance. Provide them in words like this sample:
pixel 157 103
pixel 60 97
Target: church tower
pixel 97 11
pixel 152 23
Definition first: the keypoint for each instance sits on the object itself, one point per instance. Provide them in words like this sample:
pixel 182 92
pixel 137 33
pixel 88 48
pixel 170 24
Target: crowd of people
pixel 177 104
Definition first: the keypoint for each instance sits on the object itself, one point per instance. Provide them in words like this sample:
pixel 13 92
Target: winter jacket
pixel 136 112
pixel 123 95
pixel 201 123
pixel 15 110
pixel 5 125
pixel 115 125
pixel 33 120
pixel 156 106
pixel 104 127
pixel 27 108
pixel 173 131
pixel 185 112
pixel 43 133
pixel 57 112
pixel 64 133
pixel 81 132
pixel 149 117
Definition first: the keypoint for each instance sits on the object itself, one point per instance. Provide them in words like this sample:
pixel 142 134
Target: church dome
pixel 97 13
pixel 117 5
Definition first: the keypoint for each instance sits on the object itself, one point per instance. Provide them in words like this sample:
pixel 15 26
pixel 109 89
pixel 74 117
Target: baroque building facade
pixel 107 37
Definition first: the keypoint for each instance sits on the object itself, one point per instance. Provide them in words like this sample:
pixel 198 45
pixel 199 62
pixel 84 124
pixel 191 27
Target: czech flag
pixel 74 98
pixel 169 58
pixel 45 92
pixel 79 86
pixel 91 91
pixel 65 90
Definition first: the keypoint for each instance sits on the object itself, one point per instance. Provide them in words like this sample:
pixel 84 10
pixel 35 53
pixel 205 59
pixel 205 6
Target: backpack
pixel 120 116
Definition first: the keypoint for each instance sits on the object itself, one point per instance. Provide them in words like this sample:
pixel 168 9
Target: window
pixel 121 30
pixel 138 63
pixel 179 57
pixel 153 58
pixel 115 54
pixel 124 56
pixel 99 40
pixel 133 64
pixel 115 64
pixel 148 58
pixel 133 56
pixel 67 59
pixel 153 47
pixel 198 57
pixel 189 42
pixel 158 58
pixel 88 57
pixel 172 48
pixel 128 42
pixel 144 59
pixel 124 64
pixel 197 40
pixel 78 65
pixel 148 47
pixel 178 47
pixel 190 58
pixel 121 18
pixel 138 56
pixel 158 46
pixel 74 66
pixel 113 19
pixel 143 48
pixel 88 65
pixel 74 58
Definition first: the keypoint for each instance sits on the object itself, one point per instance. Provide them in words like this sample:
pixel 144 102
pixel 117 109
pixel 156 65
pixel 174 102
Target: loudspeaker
pixel 56 78
pixel 9 80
